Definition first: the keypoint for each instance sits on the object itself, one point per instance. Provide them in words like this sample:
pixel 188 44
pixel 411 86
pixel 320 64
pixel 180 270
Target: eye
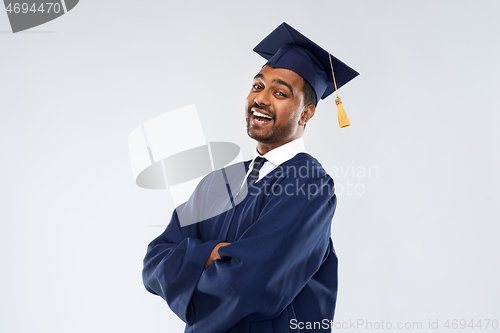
pixel 256 86
pixel 279 93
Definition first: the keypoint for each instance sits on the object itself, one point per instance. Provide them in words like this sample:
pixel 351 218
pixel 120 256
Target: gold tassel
pixel 343 120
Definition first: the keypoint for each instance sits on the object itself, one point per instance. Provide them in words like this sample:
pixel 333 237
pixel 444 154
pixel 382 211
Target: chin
pixel 260 138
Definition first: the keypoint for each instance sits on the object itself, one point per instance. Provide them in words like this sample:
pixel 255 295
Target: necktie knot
pixel 254 174
pixel 258 163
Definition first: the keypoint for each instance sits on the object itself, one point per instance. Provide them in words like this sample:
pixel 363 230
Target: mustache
pixel 260 107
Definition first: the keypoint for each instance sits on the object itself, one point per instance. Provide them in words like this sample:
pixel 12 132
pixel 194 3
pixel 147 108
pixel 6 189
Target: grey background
pixel 420 242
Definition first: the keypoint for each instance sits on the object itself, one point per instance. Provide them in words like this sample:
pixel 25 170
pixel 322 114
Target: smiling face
pixel 275 110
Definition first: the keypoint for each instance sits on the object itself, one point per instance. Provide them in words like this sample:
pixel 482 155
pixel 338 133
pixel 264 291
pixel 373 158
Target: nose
pixel 262 98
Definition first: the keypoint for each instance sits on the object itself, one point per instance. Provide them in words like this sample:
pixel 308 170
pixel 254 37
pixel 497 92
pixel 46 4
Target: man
pixel 264 263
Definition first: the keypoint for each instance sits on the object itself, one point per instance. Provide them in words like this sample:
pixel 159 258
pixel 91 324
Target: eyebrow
pixel 278 81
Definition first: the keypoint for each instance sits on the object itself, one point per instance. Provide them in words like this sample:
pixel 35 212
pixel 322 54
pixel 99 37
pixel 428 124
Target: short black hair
pixel 309 94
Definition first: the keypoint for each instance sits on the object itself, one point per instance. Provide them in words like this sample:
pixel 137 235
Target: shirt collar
pixel 284 152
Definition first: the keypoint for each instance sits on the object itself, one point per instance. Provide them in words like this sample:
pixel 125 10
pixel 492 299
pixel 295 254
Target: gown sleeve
pixel 261 273
pixel 173 264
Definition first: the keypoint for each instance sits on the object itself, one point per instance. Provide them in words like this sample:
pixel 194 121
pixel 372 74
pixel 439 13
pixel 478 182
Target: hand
pixel 215 254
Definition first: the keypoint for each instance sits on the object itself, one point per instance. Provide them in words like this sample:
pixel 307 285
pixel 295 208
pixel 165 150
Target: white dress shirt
pixel 277 156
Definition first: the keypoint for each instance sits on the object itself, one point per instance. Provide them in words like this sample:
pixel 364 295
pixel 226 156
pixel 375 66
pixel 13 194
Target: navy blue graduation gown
pixel 280 269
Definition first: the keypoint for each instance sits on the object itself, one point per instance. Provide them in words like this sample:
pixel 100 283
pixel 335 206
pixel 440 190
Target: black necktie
pixel 254 174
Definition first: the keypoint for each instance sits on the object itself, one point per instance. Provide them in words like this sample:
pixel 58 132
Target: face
pixel 275 108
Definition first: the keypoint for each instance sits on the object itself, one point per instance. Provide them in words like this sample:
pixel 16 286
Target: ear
pixel 307 113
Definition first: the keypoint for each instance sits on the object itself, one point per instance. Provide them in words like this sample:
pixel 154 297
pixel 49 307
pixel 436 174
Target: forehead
pixel 272 74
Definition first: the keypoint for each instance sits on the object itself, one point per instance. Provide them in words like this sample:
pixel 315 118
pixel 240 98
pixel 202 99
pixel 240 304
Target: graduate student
pixel 255 255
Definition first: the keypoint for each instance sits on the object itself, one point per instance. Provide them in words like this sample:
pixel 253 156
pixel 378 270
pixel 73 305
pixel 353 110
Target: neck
pixel 264 148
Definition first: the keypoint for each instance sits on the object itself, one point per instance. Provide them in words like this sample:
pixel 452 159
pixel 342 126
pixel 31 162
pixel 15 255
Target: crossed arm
pixel 257 277
pixel 215 254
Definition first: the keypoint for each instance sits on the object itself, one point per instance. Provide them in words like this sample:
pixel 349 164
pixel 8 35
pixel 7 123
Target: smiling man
pixel 264 263
pixel 277 108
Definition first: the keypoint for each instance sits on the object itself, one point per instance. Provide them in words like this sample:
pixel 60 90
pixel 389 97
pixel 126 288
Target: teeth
pixel 258 114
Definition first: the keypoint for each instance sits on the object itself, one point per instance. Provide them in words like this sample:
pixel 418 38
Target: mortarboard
pixel 287 48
